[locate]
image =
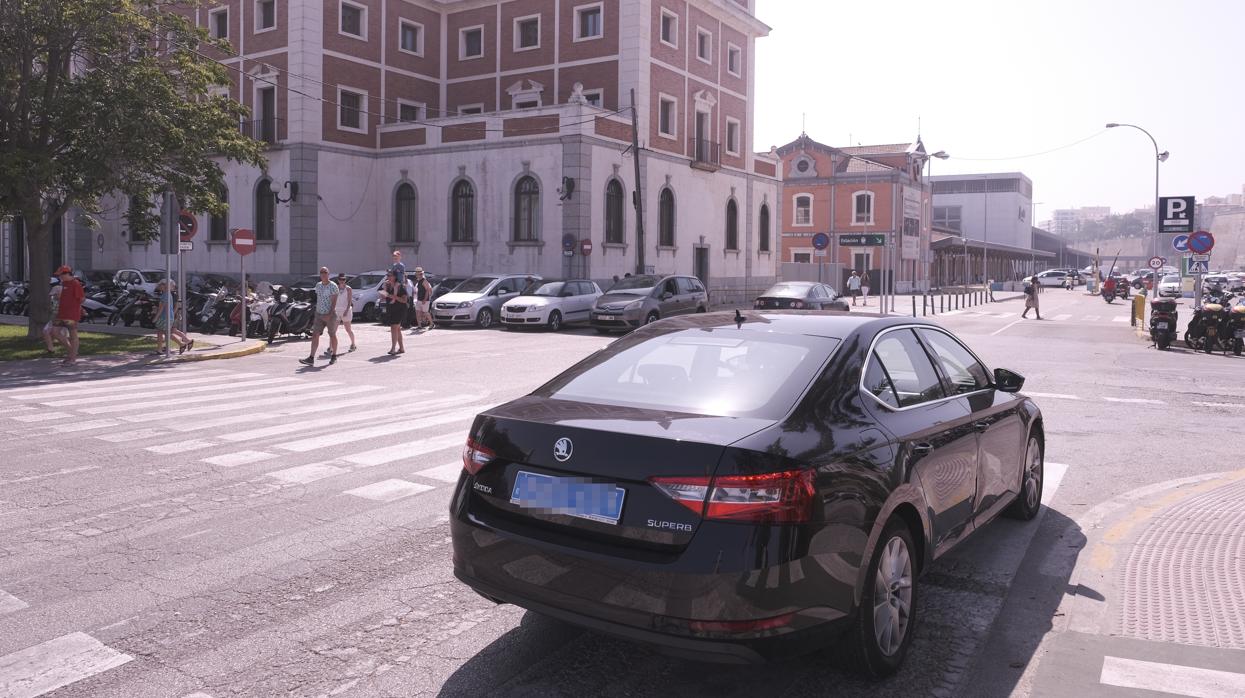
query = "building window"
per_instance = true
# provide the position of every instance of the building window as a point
(218, 23)
(526, 209)
(265, 15)
(948, 217)
(802, 257)
(527, 104)
(667, 118)
(463, 213)
(614, 212)
(470, 43)
(863, 208)
(471, 109)
(594, 97)
(353, 20)
(734, 60)
(704, 45)
(589, 22)
(732, 136)
(265, 211)
(411, 37)
(803, 210)
(405, 214)
(350, 110)
(527, 33)
(669, 28)
(409, 112)
(665, 218)
(763, 229)
(732, 225)
(218, 226)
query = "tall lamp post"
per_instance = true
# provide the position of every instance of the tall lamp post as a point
(929, 175)
(1158, 215)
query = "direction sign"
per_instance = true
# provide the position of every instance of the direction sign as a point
(185, 246)
(1176, 214)
(872, 240)
(1180, 243)
(1201, 242)
(243, 241)
(1197, 267)
(821, 241)
(1157, 262)
(585, 247)
(820, 253)
(187, 224)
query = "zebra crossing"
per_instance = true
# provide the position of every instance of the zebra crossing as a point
(1087, 318)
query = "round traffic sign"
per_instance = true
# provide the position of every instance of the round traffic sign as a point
(243, 241)
(1180, 243)
(568, 242)
(585, 247)
(1157, 262)
(1201, 242)
(821, 241)
(187, 225)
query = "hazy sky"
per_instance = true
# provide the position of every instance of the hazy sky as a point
(1008, 78)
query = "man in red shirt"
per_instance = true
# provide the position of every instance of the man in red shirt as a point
(70, 310)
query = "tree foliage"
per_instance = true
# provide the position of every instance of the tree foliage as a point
(106, 96)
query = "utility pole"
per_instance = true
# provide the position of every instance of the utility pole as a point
(639, 197)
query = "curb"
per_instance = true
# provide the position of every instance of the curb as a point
(253, 348)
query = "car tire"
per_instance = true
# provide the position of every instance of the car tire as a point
(369, 312)
(651, 317)
(701, 309)
(485, 319)
(1032, 478)
(1237, 345)
(1163, 342)
(866, 648)
(555, 321)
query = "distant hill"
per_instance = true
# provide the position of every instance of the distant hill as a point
(1229, 232)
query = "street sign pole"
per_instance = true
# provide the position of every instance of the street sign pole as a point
(168, 234)
(242, 273)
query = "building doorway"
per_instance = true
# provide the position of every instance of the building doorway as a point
(860, 261)
(700, 264)
(267, 115)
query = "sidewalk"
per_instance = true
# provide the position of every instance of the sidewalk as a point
(207, 347)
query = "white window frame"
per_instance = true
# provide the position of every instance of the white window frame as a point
(212, 14)
(807, 251)
(580, 9)
(463, 107)
(363, 110)
(701, 31)
(662, 24)
(738, 135)
(341, 4)
(462, 44)
(674, 115)
(795, 209)
(518, 35)
(600, 95)
(276, 18)
(732, 49)
(872, 206)
(423, 111)
(419, 43)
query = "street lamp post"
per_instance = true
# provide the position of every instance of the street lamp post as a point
(1158, 215)
(929, 175)
(985, 232)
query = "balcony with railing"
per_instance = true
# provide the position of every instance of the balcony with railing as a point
(265, 130)
(706, 155)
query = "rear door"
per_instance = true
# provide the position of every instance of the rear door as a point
(581, 302)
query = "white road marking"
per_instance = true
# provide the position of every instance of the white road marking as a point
(57, 388)
(1171, 678)
(1121, 318)
(389, 490)
(1219, 404)
(198, 412)
(105, 391)
(1004, 328)
(50, 665)
(18, 408)
(952, 312)
(325, 440)
(180, 446)
(321, 404)
(10, 603)
(1092, 318)
(1055, 396)
(41, 417)
(1061, 318)
(234, 398)
(232, 460)
(85, 426)
(444, 473)
(304, 474)
(172, 393)
(118, 437)
(58, 473)
(1004, 315)
(1054, 473)
(296, 426)
(1135, 400)
(410, 449)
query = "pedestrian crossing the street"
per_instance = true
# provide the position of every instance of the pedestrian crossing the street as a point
(1066, 318)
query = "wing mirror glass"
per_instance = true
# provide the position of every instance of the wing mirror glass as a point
(667, 296)
(1008, 381)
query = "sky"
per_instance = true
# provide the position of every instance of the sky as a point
(1002, 79)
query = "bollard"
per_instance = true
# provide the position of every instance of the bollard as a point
(940, 297)
(914, 306)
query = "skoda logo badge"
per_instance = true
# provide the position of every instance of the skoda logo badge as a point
(562, 449)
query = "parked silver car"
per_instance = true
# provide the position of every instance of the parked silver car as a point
(478, 300)
(551, 304)
(639, 300)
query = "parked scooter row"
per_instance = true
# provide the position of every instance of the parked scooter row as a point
(1217, 324)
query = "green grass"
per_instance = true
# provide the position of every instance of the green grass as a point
(15, 346)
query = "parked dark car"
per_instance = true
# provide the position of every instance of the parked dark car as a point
(738, 488)
(639, 300)
(800, 295)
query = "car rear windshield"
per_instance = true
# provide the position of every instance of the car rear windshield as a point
(724, 372)
(787, 290)
(475, 284)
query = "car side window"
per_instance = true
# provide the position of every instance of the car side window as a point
(909, 368)
(964, 372)
(878, 383)
(670, 287)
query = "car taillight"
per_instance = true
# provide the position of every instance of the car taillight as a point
(758, 304)
(476, 456)
(797, 304)
(785, 497)
(740, 626)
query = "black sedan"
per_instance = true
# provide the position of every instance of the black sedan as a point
(800, 295)
(738, 488)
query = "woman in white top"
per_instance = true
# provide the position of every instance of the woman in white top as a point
(345, 308)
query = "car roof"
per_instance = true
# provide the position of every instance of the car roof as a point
(794, 322)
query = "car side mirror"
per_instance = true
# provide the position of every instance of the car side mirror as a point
(667, 296)
(1008, 381)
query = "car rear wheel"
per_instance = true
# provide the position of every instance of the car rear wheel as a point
(485, 319)
(882, 631)
(555, 321)
(369, 312)
(1029, 501)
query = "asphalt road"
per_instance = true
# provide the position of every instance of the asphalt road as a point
(252, 527)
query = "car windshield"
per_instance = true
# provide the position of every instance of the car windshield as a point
(476, 284)
(787, 290)
(546, 289)
(1171, 279)
(637, 285)
(723, 372)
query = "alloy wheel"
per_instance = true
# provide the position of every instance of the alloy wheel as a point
(892, 596)
(1033, 475)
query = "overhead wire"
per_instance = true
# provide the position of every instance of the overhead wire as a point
(1034, 155)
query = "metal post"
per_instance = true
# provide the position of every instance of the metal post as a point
(242, 272)
(639, 197)
(170, 229)
(914, 306)
(985, 233)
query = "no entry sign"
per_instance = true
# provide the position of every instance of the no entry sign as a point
(585, 247)
(244, 241)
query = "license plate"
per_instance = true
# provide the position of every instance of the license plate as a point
(1240, 334)
(607, 318)
(1161, 325)
(571, 496)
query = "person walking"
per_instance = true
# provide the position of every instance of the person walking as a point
(423, 299)
(398, 304)
(326, 316)
(53, 335)
(344, 308)
(164, 301)
(853, 286)
(864, 286)
(70, 311)
(1032, 289)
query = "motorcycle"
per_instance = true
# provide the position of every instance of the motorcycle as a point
(16, 299)
(1163, 322)
(293, 313)
(134, 305)
(1235, 331)
(1114, 289)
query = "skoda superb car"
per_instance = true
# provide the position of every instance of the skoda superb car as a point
(750, 486)
(551, 304)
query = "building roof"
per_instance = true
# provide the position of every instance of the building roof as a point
(952, 242)
(855, 164)
(888, 149)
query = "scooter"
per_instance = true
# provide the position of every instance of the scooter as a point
(1163, 322)
(1235, 332)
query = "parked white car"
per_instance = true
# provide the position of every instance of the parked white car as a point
(478, 300)
(366, 288)
(1050, 277)
(1171, 285)
(141, 279)
(551, 304)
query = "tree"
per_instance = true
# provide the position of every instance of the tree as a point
(106, 96)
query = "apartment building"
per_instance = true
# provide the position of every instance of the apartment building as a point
(483, 136)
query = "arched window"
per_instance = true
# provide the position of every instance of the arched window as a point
(732, 225)
(526, 209)
(463, 213)
(863, 207)
(405, 215)
(803, 210)
(614, 212)
(265, 211)
(665, 218)
(763, 229)
(218, 226)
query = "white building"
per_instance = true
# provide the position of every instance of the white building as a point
(994, 208)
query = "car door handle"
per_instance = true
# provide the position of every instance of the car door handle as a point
(981, 426)
(922, 448)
